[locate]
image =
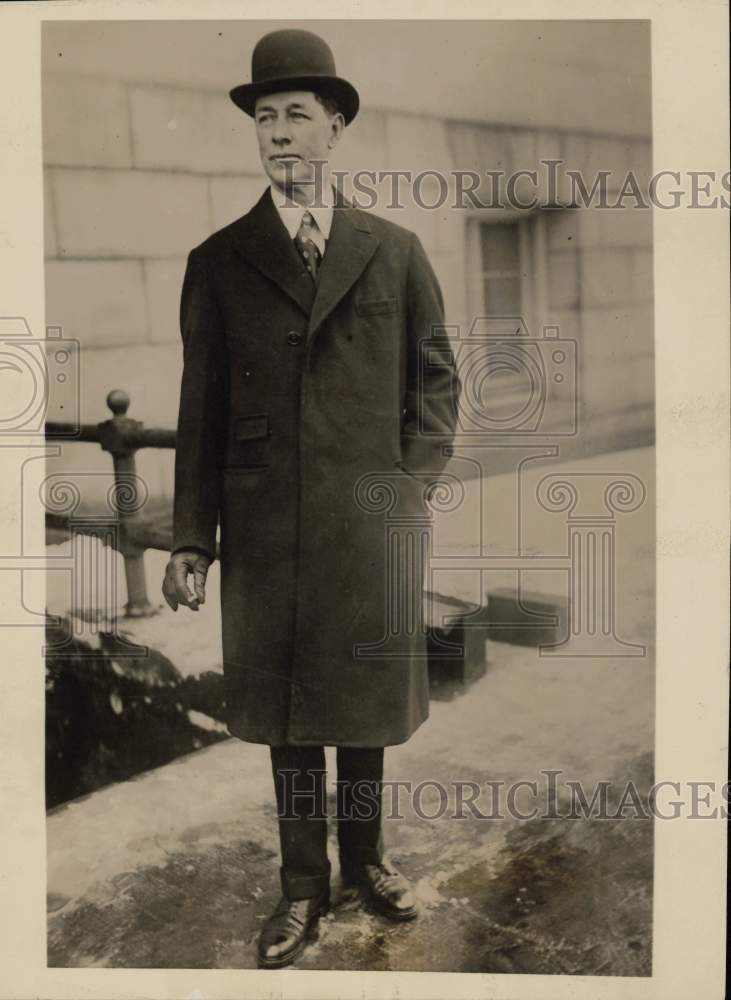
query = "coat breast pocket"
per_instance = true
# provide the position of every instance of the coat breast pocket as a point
(377, 307)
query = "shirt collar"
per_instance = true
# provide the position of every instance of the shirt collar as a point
(291, 214)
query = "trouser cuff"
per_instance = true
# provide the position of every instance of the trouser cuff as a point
(296, 885)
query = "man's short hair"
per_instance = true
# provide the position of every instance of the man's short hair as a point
(329, 104)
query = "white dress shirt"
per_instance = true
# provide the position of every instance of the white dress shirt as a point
(291, 215)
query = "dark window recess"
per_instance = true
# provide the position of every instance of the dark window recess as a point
(501, 279)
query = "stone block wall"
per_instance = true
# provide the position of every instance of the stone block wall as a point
(600, 291)
(136, 175)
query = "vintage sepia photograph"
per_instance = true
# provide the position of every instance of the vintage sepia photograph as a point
(346, 406)
(389, 327)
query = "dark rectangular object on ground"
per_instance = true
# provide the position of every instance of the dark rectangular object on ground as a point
(526, 618)
(457, 653)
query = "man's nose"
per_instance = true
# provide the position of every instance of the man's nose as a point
(280, 133)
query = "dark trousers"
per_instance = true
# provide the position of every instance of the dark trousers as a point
(300, 786)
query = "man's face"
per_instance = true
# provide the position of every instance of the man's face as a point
(294, 129)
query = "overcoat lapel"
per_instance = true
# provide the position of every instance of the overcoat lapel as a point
(263, 239)
(349, 249)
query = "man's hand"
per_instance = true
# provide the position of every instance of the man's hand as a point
(175, 587)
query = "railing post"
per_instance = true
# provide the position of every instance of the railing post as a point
(126, 501)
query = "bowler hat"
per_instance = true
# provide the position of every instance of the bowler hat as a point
(292, 59)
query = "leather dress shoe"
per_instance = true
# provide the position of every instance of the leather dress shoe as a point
(385, 887)
(286, 932)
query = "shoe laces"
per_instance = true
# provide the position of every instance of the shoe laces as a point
(292, 913)
(298, 912)
(386, 877)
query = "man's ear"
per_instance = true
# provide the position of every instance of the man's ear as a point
(336, 129)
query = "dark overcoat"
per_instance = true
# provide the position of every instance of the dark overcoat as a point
(311, 418)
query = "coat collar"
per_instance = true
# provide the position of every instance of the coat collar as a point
(263, 239)
(291, 214)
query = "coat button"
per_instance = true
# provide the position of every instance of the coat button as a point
(294, 338)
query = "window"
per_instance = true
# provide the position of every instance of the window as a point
(501, 275)
(506, 257)
(506, 273)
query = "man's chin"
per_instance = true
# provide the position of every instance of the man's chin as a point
(287, 176)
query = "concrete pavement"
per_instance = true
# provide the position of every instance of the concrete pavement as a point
(178, 867)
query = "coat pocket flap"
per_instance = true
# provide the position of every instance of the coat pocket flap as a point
(251, 428)
(375, 307)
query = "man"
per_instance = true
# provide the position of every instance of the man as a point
(305, 399)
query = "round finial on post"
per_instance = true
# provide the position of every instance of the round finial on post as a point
(118, 402)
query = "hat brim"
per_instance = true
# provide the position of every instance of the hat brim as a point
(246, 95)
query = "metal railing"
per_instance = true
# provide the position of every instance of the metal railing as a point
(122, 437)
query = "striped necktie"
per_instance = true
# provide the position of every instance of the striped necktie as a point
(306, 246)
